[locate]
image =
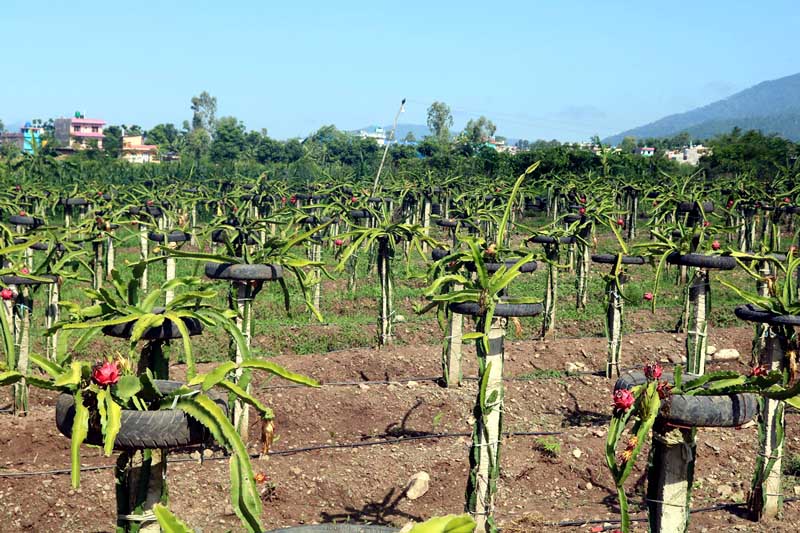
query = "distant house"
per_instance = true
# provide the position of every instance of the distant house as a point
(31, 138)
(12, 138)
(689, 155)
(135, 151)
(376, 133)
(28, 139)
(645, 151)
(78, 132)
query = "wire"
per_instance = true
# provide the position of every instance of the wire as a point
(292, 451)
(468, 378)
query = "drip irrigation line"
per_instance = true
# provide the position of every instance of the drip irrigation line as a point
(350, 383)
(292, 451)
(558, 338)
(599, 373)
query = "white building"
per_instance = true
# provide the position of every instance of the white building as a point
(378, 134)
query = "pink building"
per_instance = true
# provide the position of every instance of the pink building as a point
(78, 133)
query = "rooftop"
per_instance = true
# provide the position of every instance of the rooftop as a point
(92, 134)
(92, 121)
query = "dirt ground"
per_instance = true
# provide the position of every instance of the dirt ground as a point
(400, 409)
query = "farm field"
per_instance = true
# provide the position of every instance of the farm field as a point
(304, 349)
(365, 484)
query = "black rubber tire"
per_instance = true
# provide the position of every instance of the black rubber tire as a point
(336, 528)
(154, 211)
(173, 236)
(547, 239)
(719, 262)
(611, 259)
(144, 429)
(20, 280)
(439, 253)
(74, 201)
(729, 410)
(526, 268)
(24, 220)
(314, 220)
(751, 313)
(689, 207)
(359, 214)
(505, 310)
(218, 236)
(242, 272)
(165, 331)
(39, 246)
(447, 223)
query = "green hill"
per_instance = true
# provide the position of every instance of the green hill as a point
(771, 106)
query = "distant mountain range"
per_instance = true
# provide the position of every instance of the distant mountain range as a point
(771, 106)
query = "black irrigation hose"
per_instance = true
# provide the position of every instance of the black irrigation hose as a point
(600, 373)
(643, 332)
(292, 451)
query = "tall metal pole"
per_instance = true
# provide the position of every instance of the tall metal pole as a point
(386, 146)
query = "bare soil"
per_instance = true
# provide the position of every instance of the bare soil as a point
(366, 483)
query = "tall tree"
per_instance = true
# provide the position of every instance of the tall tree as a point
(197, 143)
(133, 129)
(112, 141)
(2, 126)
(229, 140)
(166, 136)
(628, 144)
(440, 120)
(204, 109)
(480, 130)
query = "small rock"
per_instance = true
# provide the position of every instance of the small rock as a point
(208, 453)
(399, 318)
(724, 491)
(726, 354)
(674, 358)
(575, 367)
(711, 350)
(411, 384)
(363, 386)
(797, 490)
(576, 453)
(418, 485)
(588, 486)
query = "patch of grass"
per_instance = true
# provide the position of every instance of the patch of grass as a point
(542, 374)
(791, 467)
(549, 446)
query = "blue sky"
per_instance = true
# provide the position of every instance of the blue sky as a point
(539, 69)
